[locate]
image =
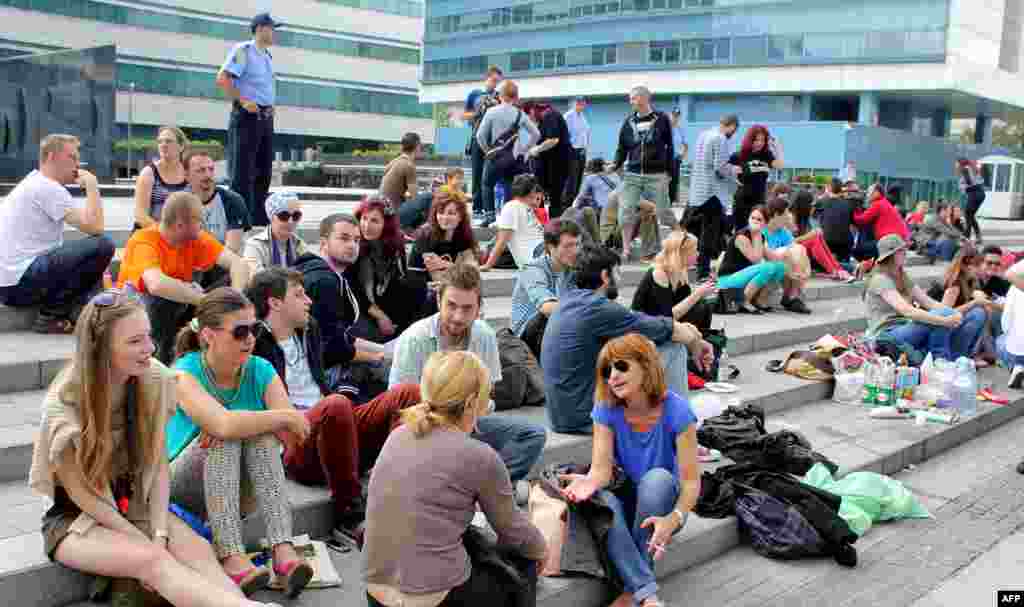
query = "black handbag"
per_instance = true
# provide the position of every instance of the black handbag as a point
(502, 153)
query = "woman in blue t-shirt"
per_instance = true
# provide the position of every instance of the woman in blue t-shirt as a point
(651, 433)
(223, 437)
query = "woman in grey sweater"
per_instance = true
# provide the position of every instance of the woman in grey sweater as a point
(423, 495)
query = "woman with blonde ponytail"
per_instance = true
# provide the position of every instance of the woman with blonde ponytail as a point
(423, 494)
(99, 457)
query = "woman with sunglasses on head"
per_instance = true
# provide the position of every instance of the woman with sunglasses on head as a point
(387, 297)
(665, 288)
(651, 433)
(99, 457)
(279, 244)
(224, 440)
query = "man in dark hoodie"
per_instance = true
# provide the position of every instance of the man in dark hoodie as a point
(646, 151)
(353, 365)
(344, 440)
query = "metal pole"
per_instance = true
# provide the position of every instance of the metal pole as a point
(131, 119)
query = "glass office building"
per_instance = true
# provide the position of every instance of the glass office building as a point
(874, 82)
(346, 69)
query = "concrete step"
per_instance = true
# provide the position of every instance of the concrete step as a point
(844, 433)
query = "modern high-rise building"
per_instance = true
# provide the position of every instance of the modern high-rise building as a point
(875, 82)
(346, 69)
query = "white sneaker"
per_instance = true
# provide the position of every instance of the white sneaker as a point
(1016, 378)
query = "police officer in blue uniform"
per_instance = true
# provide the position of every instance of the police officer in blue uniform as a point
(247, 78)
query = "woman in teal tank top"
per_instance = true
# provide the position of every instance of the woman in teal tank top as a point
(223, 440)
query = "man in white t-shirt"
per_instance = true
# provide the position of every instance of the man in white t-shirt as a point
(344, 439)
(37, 268)
(519, 230)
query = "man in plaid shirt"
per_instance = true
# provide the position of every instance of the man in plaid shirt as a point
(712, 183)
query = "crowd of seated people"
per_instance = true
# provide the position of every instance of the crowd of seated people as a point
(223, 365)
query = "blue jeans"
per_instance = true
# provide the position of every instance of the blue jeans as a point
(673, 358)
(518, 443)
(64, 278)
(943, 248)
(941, 341)
(491, 176)
(656, 495)
(1009, 360)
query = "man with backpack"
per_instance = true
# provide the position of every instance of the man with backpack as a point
(477, 104)
(497, 137)
(646, 151)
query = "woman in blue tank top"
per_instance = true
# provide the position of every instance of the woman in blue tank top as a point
(651, 432)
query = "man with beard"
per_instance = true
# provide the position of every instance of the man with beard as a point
(458, 327)
(225, 215)
(336, 310)
(587, 316)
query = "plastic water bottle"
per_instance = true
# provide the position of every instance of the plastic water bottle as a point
(723, 365)
(870, 384)
(965, 387)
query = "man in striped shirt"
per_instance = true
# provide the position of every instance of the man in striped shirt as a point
(712, 183)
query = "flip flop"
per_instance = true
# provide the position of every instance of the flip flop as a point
(775, 366)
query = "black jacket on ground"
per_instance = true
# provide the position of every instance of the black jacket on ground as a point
(332, 309)
(646, 151)
(268, 348)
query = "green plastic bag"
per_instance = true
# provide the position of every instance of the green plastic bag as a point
(867, 497)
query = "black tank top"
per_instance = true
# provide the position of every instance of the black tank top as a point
(734, 259)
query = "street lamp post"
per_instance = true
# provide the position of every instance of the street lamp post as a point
(131, 119)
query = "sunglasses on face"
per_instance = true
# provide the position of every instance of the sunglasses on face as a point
(242, 332)
(992, 262)
(284, 216)
(622, 366)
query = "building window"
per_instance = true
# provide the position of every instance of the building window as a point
(519, 62)
(603, 55)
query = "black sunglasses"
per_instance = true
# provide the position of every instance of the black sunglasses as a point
(991, 262)
(622, 366)
(241, 332)
(295, 216)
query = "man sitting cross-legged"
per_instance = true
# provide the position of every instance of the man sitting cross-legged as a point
(160, 261)
(458, 327)
(37, 268)
(344, 439)
(587, 316)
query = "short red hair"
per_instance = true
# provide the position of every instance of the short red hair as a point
(635, 348)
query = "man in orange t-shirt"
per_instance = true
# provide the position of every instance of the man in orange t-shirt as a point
(159, 262)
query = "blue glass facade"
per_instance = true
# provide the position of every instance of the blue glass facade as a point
(64, 92)
(566, 36)
(214, 28)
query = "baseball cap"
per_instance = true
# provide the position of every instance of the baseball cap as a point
(676, 110)
(262, 19)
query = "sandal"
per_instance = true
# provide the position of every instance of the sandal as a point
(51, 325)
(295, 576)
(775, 366)
(251, 580)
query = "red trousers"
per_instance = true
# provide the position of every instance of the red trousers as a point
(818, 249)
(344, 441)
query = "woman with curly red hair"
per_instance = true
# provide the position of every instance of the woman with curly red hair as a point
(386, 296)
(759, 154)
